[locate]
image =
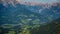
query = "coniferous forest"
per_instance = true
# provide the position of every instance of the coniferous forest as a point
(16, 18)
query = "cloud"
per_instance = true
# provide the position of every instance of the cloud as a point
(20, 1)
(32, 2)
(49, 1)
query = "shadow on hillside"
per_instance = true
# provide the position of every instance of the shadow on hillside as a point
(50, 28)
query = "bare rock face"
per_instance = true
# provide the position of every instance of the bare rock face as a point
(5, 2)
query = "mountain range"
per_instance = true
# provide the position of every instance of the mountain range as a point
(42, 12)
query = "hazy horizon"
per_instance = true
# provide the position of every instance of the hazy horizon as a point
(43, 1)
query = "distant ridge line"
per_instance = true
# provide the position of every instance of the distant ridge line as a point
(14, 2)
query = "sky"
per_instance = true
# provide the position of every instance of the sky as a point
(44, 1)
